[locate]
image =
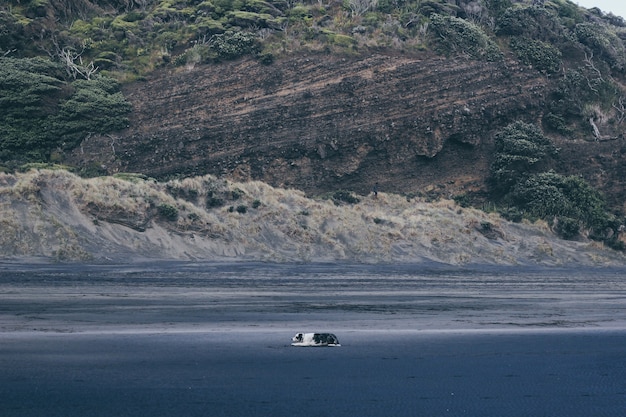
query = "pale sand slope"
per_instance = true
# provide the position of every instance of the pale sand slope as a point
(57, 215)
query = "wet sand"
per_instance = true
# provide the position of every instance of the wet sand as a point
(213, 340)
(549, 373)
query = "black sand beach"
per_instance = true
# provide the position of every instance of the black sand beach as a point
(257, 374)
(213, 340)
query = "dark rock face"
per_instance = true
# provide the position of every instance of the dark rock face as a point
(320, 122)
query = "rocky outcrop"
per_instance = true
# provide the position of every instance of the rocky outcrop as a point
(319, 123)
(324, 122)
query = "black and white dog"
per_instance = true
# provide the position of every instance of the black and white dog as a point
(315, 339)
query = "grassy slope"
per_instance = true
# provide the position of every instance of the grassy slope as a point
(57, 215)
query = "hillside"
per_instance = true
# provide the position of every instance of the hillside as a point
(324, 123)
(321, 123)
(418, 98)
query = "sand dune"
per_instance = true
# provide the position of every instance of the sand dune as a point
(54, 214)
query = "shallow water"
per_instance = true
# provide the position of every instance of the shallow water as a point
(203, 339)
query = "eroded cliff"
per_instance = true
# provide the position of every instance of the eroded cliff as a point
(323, 122)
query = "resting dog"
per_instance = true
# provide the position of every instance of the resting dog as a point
(315, 339)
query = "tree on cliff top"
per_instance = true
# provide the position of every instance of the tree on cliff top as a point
(41, 111)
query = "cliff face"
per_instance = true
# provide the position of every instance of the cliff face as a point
(321, 123)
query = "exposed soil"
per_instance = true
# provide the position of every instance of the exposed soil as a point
(319, 123)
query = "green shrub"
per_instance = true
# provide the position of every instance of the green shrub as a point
(463, 200)
(455, 35)
(534, 22)
(567, 10)
(236, 194)
(208, 26)
(575, 92)
(96, 106)
(168, 212)
(246, 19)
(520, 151)
(541, 197)
(266, 58)
(299, 13)
(194, 55)
(548, 195)
(338, 39)
(571, 94)
(233, 44)
(540, 55)
(557, 123)
(615, 243)
(124, 24)
(40, 110)
(567, 228)
(30, 90)
(589, 203)
(512, 214)
(213, 201)
(429, 8)
(188, 194)
(497, 7)
(520, 147)
(603, 42)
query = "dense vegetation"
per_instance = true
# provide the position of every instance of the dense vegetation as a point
(41, 111)
(61, 62)
(132, 37)
(125, 39)
(522, 180)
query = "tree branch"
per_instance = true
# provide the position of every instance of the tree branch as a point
(73, 61)
(589, 63)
